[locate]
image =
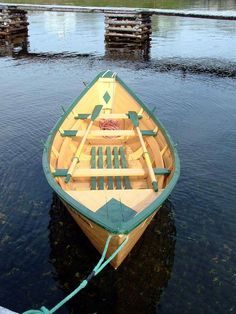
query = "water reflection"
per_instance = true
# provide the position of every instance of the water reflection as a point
(13, 45)
(128, 52)
(135, 287)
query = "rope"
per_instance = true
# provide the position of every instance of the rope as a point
(96, 270)
(109, 124)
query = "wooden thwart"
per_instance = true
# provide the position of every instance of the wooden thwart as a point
(97, 133)
(117, 172)
(84, 116)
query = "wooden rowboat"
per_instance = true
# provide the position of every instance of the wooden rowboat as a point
(112, 180)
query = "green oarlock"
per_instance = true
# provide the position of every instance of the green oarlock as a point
(148, 133)
(67, 179)
(155, 186)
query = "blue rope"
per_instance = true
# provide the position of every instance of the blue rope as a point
(96, 270)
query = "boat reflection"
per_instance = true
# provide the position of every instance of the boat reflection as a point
(138, 283)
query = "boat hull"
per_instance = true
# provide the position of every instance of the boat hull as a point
(112, 163)
(98, 235)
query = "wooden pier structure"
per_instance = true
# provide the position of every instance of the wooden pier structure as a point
(13, 21)
(127, 33)
(222, 15)
(126, 29)
(13, 31)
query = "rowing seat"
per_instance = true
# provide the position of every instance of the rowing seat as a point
(100, 133)
(87, 116)
(115, 158)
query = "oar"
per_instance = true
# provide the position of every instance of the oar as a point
(96, 111)
(134, 118)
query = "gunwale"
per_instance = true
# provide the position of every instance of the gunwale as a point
(125, 227)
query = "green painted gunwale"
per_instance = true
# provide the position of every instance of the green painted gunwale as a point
(128, 226)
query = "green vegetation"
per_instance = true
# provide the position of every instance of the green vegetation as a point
(165, 4)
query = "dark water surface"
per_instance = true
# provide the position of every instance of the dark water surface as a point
(186, 261)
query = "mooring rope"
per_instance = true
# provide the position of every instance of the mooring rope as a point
(96, 270)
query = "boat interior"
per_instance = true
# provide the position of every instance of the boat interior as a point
(109, 148)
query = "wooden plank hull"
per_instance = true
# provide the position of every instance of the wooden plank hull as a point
(112, 163)
(98, 235)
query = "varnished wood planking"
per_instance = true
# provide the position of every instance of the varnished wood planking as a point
(142, 195)
(98, 236)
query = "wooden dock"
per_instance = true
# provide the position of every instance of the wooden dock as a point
(223, 15)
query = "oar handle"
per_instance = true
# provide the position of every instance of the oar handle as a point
(148, 161)
(71, 169)
(96, 111)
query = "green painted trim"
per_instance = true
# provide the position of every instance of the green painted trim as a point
(106, 97)
(72, 133)
(69, 133)
(108, 74)
(161, 171)
(117, 166)
(124, 165)
(63, 172)
(148, 133)
(109, 166)
(60, 173)
(116, 212)
(100, 166)
(126, 227)
(82, 116)
(93, 166)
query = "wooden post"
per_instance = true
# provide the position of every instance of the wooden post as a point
(15, 44)
(12, 21)
(128, 33)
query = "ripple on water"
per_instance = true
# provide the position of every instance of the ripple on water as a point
(192, 259)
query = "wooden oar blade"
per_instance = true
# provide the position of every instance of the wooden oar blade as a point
(134, 118)
(96, 111)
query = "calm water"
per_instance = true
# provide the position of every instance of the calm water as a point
(185, 262)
